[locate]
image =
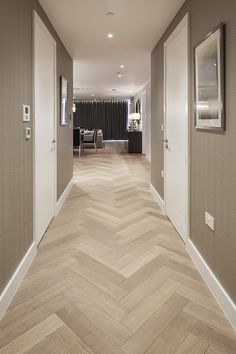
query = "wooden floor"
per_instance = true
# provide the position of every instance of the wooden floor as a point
(112, 275)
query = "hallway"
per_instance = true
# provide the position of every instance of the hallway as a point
(111, 274)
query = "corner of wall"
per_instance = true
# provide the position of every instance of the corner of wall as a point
(16, 280)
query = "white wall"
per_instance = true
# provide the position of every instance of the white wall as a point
(145, 98)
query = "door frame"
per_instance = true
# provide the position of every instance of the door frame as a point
(143, 98)
(38, 21)
(185, 22)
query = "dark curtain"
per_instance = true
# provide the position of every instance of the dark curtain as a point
(110, 116)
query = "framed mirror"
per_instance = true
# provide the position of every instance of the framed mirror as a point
(209, 81)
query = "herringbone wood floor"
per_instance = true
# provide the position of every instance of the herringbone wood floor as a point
(112, 275)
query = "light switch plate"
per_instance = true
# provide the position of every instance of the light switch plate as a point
(209, 221)
(27, 133)
(26, 113)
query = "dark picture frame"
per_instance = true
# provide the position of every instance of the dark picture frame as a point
(63, 100)
(209, 84)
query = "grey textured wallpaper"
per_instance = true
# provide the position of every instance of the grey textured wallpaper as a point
(16, 154)
(213, 167)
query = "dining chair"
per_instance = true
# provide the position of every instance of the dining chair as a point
(89, 140)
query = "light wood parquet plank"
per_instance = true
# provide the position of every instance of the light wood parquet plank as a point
(40, 300)
(99, 281)
(141, 275)
(76, 320)
(100, 342)
(133, 298)
(192, 345)
(105, 301)
(145, 335)
(210, 316)
(112, 275)
(24, 322)
(103, 270)
(150, 304)
(68, 342)
(116, 330)
(33, 336)
(174, 335)
(218, 340)
(139, 262)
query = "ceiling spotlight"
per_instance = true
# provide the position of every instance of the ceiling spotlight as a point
(110, 35)
(92, 95)
(110, 13)
(122, 66)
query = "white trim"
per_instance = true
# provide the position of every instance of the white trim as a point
(148, 157)
(64, 196)
(114, 141)
(185, 22)
(15, 281)
(157, 198)
(38, 21)
(217, 290)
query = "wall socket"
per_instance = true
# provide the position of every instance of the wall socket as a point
(27, 133)
(162, 174)
(209, 221)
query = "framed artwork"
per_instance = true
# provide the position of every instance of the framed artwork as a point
(64, 100)
(209, 81)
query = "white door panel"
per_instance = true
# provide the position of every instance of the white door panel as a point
(44, 90)
(176, 129)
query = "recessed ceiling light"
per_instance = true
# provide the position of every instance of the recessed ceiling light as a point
(110, 35)
(110, 13)
(92, 95)
(122, 66)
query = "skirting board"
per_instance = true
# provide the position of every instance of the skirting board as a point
(148, 157)
(15, 281)
(158, 198)
(217, 290)
(64, 196)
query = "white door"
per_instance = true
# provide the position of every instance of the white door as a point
(144, 123)
(176, 129)
(44, 129)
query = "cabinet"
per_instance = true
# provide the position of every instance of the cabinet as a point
(135, 142)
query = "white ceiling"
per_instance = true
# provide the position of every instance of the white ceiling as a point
(83, 27)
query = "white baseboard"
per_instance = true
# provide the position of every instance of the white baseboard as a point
(158, 198)
(64, 196)
(217, 290)
(15, 281)
(148, 157)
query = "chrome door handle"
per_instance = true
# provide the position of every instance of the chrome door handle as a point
(53, 145)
